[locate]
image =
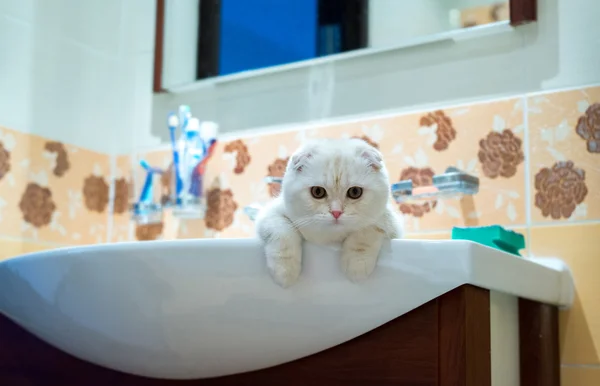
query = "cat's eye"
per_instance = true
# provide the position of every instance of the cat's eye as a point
(318, 192)
(354, 192)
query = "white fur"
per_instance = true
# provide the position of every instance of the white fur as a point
(336, 165)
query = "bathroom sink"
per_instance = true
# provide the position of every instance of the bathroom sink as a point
(206, 308)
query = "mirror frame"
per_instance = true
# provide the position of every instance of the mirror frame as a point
(521, 12)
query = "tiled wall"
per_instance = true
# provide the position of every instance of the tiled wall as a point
(51, 194)
(538, 158)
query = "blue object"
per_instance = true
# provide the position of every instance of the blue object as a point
(172, 122)
(193, 146)
(184, 119)
(493, 236)
(146, 194)
(184, 116)
(263, 33)
(330, 39)
(196, 186)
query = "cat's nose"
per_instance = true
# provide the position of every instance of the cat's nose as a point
(336, 214)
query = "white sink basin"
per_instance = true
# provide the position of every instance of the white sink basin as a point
(205, 308)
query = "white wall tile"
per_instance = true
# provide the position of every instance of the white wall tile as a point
(73, 72)
(94, 23)
(142, 103)
(76, 96)
(16, 65)
(139, 18)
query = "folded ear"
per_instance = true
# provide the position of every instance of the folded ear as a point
(373, 158)
(299, 160)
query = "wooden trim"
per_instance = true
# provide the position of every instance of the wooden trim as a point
(464, 337)
(538, 344)
(522, 11)
(159, 46)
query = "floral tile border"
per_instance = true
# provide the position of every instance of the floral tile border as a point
(122, 197)
(564, 132)
(51, 191)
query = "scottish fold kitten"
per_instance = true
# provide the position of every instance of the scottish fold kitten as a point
(333, 191)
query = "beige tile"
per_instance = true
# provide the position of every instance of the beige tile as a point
(580, 376)
(45, 193)
(424, 141)
(12, 248)
(125, 195)
(578, 246)
(565, 167)
(470, 138)
(416, 146)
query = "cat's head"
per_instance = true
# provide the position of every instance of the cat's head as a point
(336, 184)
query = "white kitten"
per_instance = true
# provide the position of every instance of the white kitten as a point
(334, 190)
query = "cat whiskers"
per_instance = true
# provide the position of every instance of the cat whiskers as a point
(303, 222)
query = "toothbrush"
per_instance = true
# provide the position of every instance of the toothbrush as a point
(201, 167)
(185, 116)
(191, 157)
(208, 131)
(195, 179)
(173, 122)
(149, 168)
(146, 194)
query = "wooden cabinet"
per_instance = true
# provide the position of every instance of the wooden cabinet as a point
(445, 342)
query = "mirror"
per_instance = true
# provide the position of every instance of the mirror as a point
(201, 39)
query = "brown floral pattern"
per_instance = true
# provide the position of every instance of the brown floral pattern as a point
(37, 205)
(445, 132)
(4, 161)
(95, 193)
(62, 157)
(368, 140)
(148, 232)
(242, 158)
(500, 154)
(121, 200)
(276, 169)
(588, 128)
(419, 177)
(220, 209)
(166, 183)
(560, 189)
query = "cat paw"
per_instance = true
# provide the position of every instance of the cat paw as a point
(358, 266)
(284, 264)
(360, 252)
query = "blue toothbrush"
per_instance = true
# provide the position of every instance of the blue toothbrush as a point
(146, 194)
(173, 123)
